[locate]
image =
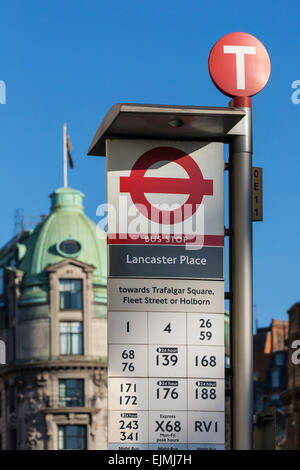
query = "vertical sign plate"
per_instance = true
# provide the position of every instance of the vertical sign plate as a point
(257, 195)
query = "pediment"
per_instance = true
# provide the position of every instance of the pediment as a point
(70, 262)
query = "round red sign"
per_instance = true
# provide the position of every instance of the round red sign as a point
(138, 184)
(239, 65)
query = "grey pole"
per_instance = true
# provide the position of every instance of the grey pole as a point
(241, 285)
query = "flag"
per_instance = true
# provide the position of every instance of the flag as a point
(69, 149)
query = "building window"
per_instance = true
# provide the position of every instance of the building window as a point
(71, 338)
(275, 378)
(12, 399)
(71, 392)
(279, 359)
(12, 261)
(72, 437)
(275, 397)
(69, 247)
(1, 281)
(13, 344)
(13, 439)
(227, 361)
(70, 292)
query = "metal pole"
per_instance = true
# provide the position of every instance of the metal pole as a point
(65, 155)
(241, 284)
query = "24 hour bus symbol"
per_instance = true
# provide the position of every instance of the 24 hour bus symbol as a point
(138, 184)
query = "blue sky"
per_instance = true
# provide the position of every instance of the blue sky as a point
(71, 60)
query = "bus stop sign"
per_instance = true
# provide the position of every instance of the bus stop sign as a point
(239, 65)
(137, 184)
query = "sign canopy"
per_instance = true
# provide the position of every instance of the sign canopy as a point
(147, 121)
(239, 65)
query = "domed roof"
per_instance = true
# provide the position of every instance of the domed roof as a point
(66, 233)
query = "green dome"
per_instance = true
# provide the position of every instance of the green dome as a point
(66, 222)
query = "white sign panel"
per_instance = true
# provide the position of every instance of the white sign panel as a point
(127, 360)
(163, 295)
(127, 393)
(165, 394)
(144, 175)
(167, 361)
(166, 375)
(206, 361)
(128, 427)
(167, 328)
(205, 329)
(206, 394)
(168, 428)
(127, 328)
(206, 427)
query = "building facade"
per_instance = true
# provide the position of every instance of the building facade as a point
(271, 374)
(53, 389)
(291, 397)
(270, 364)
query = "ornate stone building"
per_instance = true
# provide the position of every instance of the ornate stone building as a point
(53, 320)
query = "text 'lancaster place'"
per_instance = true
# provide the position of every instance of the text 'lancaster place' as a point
(183, 259)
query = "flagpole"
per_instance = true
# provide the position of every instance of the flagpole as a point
(65, 155)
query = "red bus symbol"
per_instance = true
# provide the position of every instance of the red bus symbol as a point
(137, 184)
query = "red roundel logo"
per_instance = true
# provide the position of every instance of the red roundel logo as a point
(239, 65)
(138, 184)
